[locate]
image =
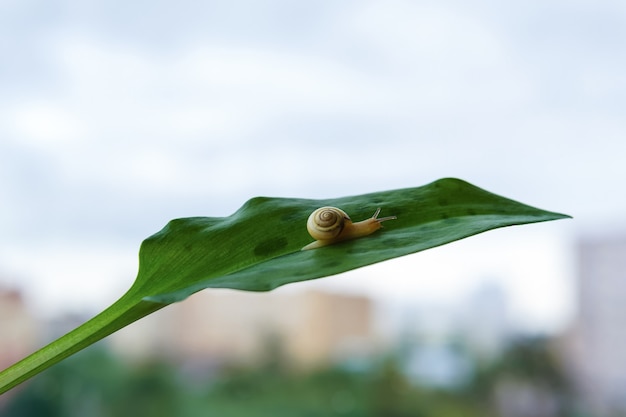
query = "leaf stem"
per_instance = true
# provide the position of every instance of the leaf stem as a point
(120, 314)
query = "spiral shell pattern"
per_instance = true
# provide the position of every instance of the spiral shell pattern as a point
(326, 223)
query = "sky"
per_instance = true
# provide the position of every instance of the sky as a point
(116, 117)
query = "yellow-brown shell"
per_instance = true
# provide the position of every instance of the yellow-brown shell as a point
(326, 223)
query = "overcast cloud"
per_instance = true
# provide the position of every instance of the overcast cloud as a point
(118, 116)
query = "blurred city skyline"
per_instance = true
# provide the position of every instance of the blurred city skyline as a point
(117, 117)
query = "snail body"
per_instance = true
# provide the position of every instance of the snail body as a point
(329, 225)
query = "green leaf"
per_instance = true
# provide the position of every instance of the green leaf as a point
(258, 248)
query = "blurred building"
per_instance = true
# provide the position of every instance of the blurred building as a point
(597, 352)
(18, 330)
(485, 323)
(442, 344)
(308, 329)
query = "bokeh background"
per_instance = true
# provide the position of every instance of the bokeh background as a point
(116, 117)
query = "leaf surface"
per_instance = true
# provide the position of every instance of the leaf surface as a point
(258, 248)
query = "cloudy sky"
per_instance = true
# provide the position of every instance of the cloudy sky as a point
(118, 116)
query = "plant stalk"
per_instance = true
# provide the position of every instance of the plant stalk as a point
(120, 314)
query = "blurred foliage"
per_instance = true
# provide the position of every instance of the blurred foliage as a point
(529, 365)
(94, 383)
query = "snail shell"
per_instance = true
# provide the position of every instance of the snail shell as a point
(328, 225)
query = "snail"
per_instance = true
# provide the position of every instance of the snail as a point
(330, 225)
